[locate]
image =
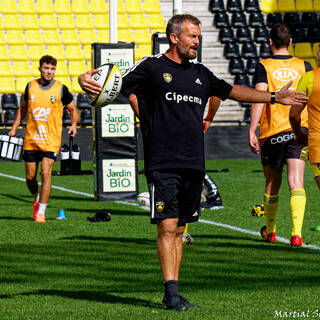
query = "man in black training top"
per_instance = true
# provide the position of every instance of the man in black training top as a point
(172, 93)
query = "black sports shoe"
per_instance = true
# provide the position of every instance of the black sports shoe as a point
(187, 303)
(212, 203)
(177, 303)
(101, 216)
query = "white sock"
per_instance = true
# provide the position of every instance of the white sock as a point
(36, 197)
(42, 208)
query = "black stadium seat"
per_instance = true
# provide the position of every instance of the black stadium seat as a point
(66, 118)
(249, 50)
(221, 20)
(256, 20)
(242, 79)
(9, 117)
(9, 101)
(260, 35)
(291, 19)
(231, 50)
(265, 50)
(251, 6)
(236, 66)
(251, 65)
(216, 6)
(226, 35)
(82, 101)
(86, 117)
(309, 19)
(314, 34)
(238, 20)
(273, 18)
(298, 34)
(234, 6)
(243, 35)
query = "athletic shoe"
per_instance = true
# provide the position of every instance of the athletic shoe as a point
(257, 210)
(187, 239)
(101, 216)
(40, 218)
(270, 237)
(212, 203)
(296, 241)
(177, 303)
(35, 209)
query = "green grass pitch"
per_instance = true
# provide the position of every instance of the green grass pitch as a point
(75, 269)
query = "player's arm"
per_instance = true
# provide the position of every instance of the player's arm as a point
(134, 104)
(74, 117)
(20, 115)
(256, 111)
(214, 103)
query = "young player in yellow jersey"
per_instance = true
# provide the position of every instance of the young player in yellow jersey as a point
(43, 100)
(310, 84)
(276, 139)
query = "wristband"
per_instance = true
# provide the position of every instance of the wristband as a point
(273, 98)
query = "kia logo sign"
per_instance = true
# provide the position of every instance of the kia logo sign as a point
(285, 74)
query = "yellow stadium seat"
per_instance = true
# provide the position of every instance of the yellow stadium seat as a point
(21, 69)
(122, 21)
(75, 87)
(76, 68)
(313, 62)
(156, 22)
(74, 52)
(151, 6)
(303, 50)
(87, 52)
(44, 6)
(30, 21)
(315, 49)
(103, 36)
(4, 52)
(286, 6)
(1, 23)
(137, 21)
(87, 36)
(64, 80)
(7, 85)
(291, 50)
(26, 7)
(142, 50)
(56, 51)
(66, 21)
(80, 6)
(21, 83)
(5, 69)
(2, 37)
(69, 37)
(35, 69)
(62, 6)
(98, 7)
(133, 6)
(269, 6)
(15, 37)
(124, 35)
(120, 6)
(48, 21)
(84, 21)
(51, 37)
(304, 5)
(141, 36)
(62, 69)
(33, 37)
(35, 52)
(12, 21)
(101, 21)
(8, 7)
(18, 52)
(316, 5)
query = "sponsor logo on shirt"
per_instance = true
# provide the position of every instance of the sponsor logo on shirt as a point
(173, 96)
(285, 74)
(195, 214)
(167, 77)
(159, 206)
(40, 114)
(198, 81)
(53, 99)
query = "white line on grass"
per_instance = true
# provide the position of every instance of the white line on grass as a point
(217, 224)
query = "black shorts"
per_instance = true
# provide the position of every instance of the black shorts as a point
(37, 155)
(280, 147)
(175, 193)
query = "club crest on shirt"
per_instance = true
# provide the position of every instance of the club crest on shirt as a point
(159, 206)
(53, 99)
(167, 77)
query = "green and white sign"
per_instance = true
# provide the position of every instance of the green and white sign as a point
(122, 57)
(117, 120)
(119, 175)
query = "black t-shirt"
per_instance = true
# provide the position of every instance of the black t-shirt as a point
(172, 98)
(261, 74)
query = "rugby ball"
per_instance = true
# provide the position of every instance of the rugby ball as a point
(110, 78)
(144, 199)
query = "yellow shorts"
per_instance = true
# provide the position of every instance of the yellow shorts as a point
(315, 168)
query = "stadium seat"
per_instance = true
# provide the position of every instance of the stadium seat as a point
(21, 83)
(141, 36)
(101, 21)
(221, 20)
(2, 37)
(142, 50)
(73, 52)
(44, 7)
(315, 48)
(9, 116)
(75, 87)
(273, 18)
(312, 61)
(62, 6)
(242, 79)
(4, 52)
(133, 6)
(291, 50)
(48, 21)
(137, 21)
(8, 7)
(304, 5)
(62, 69)
(156, 22)
(260, 35)
(35, 52)
(256, 20)
(33, 37)
(238, 20)
(12, 21)
(251, 65)
(216, 6)
(84, 21)
(76, 68)
(98, 7)
(66, 21)
(291, 19)
(286, 6)
(269, 6)
(303, 50)
(243, 35)
(56, 50)
(9, 101)
(120, 6)
(82, 101)
(316, 5)
(298, 34)
(87, 52)
(26, 7)
(234, 6)
(21, 69)
(15, 37)
(51, 37)
(236, 66)
(313, 34)
(86, 117)
(35, 69)
(65, 80)
(18, 52)
(122, 21)
(309, 19)
(226, 35)
(103, 35)
(69, 36)
(1, 23)
(151, 6)
(7, 84)
(66, 120)
(249, 50)
(30, 21)
(231, 50)
(265, 50)
(80, 6)
(87, 36)
(125, 35)
(251, 6)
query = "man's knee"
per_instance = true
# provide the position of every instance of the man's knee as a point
(167, 228)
